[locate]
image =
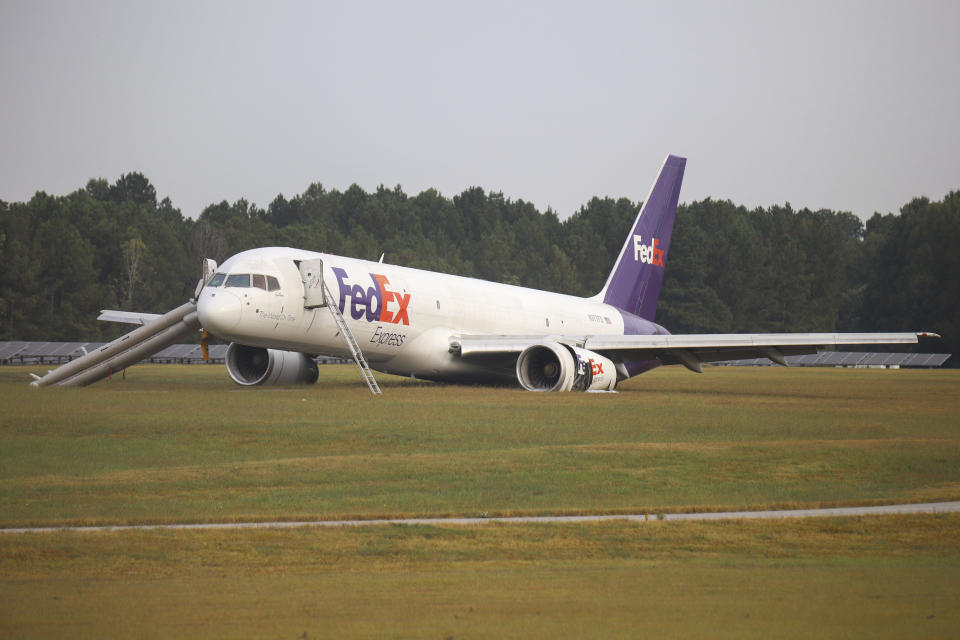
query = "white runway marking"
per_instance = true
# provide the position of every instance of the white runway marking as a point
(928, 507)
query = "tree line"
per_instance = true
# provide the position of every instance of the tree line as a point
(729, 269)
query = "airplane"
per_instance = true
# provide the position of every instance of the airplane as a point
(280, 307)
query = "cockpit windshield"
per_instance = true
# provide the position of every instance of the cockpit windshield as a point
(238, 280)
(260, 281)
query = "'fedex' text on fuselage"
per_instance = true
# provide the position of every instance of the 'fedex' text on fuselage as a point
(375, 303)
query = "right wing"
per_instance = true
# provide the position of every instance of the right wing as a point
(690, 350)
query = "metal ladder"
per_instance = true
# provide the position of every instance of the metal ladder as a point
(351, 342)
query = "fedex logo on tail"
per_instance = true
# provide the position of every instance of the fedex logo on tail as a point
(647, 253)
(375, 303)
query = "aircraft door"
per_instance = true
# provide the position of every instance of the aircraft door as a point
(311, 273)
(209, 267)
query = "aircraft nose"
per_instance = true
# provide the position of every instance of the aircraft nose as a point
(219, 311)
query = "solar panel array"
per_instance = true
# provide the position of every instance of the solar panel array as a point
(9, 350)
(62, 352)
(44, 352)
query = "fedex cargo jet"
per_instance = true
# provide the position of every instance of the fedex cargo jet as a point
(280, 307)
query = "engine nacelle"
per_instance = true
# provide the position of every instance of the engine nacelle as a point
(255, 365)
(552, 366)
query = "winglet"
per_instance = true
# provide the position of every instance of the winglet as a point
(634, 283)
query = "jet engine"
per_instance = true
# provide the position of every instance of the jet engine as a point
(552, 366)
(255, 365)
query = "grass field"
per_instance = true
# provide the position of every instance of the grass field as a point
(183, 444)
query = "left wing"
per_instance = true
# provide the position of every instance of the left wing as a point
(130, 317)
(690, 350)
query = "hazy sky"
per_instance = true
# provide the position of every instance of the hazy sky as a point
(844, 105)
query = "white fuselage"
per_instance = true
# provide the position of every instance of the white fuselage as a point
(403, 319)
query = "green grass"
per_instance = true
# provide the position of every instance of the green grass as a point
(876, 577)
(173, 444)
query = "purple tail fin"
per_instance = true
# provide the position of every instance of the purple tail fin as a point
(634, 283)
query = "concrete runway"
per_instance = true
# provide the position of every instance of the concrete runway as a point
(929, 507)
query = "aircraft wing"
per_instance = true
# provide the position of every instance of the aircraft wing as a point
(688, 349)
(130, 317)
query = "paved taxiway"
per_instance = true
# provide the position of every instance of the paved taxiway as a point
(928, 507)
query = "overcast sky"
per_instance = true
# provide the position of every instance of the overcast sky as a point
(842, 105)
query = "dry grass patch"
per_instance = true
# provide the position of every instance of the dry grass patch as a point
(881, 576)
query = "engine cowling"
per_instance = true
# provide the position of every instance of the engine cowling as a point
(552, 366)
(250, 366)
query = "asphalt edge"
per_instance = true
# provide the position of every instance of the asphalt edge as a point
(916, 508)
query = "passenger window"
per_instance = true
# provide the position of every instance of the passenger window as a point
(272, 284)
(238, 280)
(216, 280)
(259, 281)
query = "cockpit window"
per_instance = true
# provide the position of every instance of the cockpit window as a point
(258, 280)
(238, 280)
